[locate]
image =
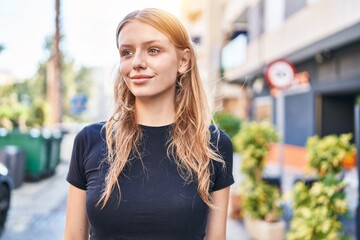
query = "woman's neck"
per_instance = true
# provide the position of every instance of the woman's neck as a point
(153, 113)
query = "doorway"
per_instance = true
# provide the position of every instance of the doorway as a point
(337, 114)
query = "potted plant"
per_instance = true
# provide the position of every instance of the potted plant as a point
(317, 208)
(262, 210)
(261, 202)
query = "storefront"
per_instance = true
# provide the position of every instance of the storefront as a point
(326, 105)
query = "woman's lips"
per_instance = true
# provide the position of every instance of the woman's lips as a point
(139, 79)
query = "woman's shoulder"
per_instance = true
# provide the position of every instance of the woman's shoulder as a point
(94, 127)
(220, 139)
(92, 131)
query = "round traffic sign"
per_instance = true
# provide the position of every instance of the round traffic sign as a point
(280, 74)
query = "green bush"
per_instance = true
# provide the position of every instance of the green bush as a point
(228, 123)
(20, 115)
(13, 114)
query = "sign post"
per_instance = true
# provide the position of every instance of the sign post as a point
(280, 75)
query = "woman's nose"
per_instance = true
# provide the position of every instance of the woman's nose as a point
(139, 61)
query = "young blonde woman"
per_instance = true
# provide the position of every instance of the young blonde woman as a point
(156, 169)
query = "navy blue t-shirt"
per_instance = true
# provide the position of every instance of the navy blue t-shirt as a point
(156, 203)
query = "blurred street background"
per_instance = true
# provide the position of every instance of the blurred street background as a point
(291, 63)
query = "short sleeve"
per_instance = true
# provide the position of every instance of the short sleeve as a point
(76, 174)
(222, 176)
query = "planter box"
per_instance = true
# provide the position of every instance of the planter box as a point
(251, 226)
(261, 230)
(271, 231)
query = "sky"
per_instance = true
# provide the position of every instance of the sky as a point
(88, 27)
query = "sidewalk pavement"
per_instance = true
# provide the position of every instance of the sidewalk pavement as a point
(37, 210)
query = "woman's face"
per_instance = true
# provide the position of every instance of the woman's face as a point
(148, 61)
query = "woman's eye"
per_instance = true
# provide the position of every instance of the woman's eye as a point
(153, 51)
(125, 53)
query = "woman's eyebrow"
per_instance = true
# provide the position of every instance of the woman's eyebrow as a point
(144, 43)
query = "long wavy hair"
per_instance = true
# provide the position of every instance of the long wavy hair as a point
(190, 139)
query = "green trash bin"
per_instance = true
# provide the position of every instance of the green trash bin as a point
(35, 146)
(54, 146)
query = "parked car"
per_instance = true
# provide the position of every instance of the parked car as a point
(6, 186)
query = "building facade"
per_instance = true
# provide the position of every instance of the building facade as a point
(203, 19)
(321, 38)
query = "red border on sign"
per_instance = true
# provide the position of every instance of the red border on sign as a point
(268, 79)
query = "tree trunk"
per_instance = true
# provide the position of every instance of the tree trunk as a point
(54, 74)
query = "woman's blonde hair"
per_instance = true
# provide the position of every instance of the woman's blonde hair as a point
(190, 139)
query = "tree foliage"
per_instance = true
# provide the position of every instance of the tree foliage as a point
(30, 94)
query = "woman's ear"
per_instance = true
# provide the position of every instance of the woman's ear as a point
(184, 61)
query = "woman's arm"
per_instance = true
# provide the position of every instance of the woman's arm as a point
(216, 225)
(76, 226)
